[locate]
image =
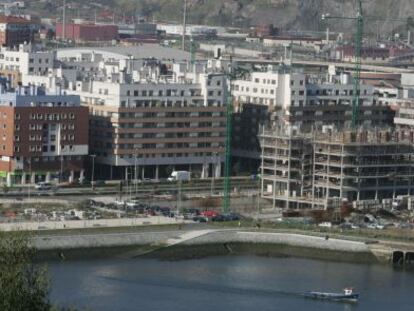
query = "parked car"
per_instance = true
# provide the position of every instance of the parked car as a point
(200, 219)
(43, 186)
(209, 213)
(219, 218)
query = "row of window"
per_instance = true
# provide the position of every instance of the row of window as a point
(52, 127)
(52, 137)
(49, 148)
(51, 116)
(150, 93)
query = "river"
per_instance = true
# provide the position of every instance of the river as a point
(225, 283)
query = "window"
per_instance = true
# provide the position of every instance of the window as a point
(72, 116)
(16, 149)
(16, 138)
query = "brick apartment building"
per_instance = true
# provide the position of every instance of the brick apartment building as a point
(17, 30)
(42, 136)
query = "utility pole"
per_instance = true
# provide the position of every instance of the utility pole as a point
(64, 21)
(184, 25)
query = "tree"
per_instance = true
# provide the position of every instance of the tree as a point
(23, 285)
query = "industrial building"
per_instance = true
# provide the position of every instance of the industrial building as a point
(311, 170)
(86, 32)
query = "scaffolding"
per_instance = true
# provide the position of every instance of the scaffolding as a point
(310, 170)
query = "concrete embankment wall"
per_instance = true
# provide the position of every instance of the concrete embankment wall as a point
(151, 244)
(269, 244)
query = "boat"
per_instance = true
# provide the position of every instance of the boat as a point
(348, 295)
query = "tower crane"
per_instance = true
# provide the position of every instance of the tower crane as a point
(359, 19)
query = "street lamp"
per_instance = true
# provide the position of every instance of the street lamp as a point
(93, 170)
(30, 178)
(213, 173)
(136, 172)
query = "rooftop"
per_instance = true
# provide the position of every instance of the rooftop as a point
(143, 51)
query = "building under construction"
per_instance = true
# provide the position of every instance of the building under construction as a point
(313, 170)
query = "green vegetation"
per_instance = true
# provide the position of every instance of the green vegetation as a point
(23, 285)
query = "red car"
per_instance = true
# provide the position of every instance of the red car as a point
(209, 214)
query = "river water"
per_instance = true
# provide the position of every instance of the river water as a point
(225, 283)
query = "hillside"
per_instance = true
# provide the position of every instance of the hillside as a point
(291, 14)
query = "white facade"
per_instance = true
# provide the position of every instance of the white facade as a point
(26, 60)
(285, 89)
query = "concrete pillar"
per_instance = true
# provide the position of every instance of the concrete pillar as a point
(47, 177)
(157, 172)
(82, 175)
(217, 170)
(9, 180)
(204, 171)
(126, 172)
(23, 178)
(71, 176)
(143, 172)
(111, 173)
(33, 178)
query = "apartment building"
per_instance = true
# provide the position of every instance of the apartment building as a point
(43, 136)
(154, 120)
(310, 101)
(310, 170)
(24, 59)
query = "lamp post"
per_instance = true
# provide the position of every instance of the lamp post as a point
(213, 173)
(93, 171)
(136, 172)
(61, 170)
(30, 177)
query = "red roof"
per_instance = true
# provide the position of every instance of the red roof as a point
(14, 20)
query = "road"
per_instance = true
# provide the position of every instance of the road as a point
(199, 187)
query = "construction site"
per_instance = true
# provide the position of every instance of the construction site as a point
(323, 168)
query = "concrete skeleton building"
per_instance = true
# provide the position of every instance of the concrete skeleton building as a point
(312, 170)
(43, 136)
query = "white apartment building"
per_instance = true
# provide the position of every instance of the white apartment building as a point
(26, 60)
(305, 100)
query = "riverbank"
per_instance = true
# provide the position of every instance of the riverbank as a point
(178, 244)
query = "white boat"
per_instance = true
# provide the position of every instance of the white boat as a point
(347, 296)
